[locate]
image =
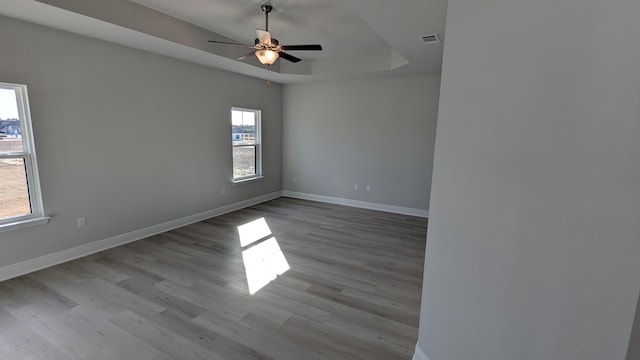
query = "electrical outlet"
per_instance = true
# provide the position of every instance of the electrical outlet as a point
(82, 222)
(368, 187)
(355, 187)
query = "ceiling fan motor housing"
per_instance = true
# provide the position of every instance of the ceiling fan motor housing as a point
(274, 42)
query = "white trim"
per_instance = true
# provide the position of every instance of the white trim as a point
(358, 203)
(24, 222)
(31, 265)
(246, 179)
(419, 354)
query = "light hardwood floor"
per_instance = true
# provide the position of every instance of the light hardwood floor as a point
(352, 291)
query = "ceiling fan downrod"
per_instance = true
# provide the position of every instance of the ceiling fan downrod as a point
(266, 9)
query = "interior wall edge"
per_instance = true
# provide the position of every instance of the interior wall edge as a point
(419, 354)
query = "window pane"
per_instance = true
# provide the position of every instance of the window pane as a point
(10, 145)
(14, 195)
(243, 127)
(244, 161)
(10, 129)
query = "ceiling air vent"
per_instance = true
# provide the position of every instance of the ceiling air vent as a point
(431, 39)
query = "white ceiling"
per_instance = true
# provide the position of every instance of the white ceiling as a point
(359, 37)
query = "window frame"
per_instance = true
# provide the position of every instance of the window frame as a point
(258, 147)
(28, 154)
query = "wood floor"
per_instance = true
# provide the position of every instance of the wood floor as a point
(352, 291)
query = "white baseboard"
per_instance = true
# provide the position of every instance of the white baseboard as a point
(358, 203)
(31, 265)
(419, 354)
(35, 264)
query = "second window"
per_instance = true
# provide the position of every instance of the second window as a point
(245, 139)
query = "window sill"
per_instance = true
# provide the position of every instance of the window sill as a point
(21, 224)
(246, 180)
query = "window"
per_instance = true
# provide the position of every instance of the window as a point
(245, 140)
(20, 200)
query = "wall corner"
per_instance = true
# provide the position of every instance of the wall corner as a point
(419, 354)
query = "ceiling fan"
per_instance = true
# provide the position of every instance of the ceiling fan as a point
(267, 48)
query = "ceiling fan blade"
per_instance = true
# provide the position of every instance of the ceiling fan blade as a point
(229, 43)
(246, 55)
(286, 56)
(264, 36)
(301, 47)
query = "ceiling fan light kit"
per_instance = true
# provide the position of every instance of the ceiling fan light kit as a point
(267, 49)
(267, 57)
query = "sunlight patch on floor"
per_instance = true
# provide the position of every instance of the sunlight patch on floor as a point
(262, 256)
(253, 231)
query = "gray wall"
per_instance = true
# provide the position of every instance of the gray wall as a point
(126, 138)
(377, 132)
(533, 247)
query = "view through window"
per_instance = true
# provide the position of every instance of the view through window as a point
(245, 139)
(19, 190)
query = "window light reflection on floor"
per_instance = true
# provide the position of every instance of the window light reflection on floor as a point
(262, 256)
(253, 231)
